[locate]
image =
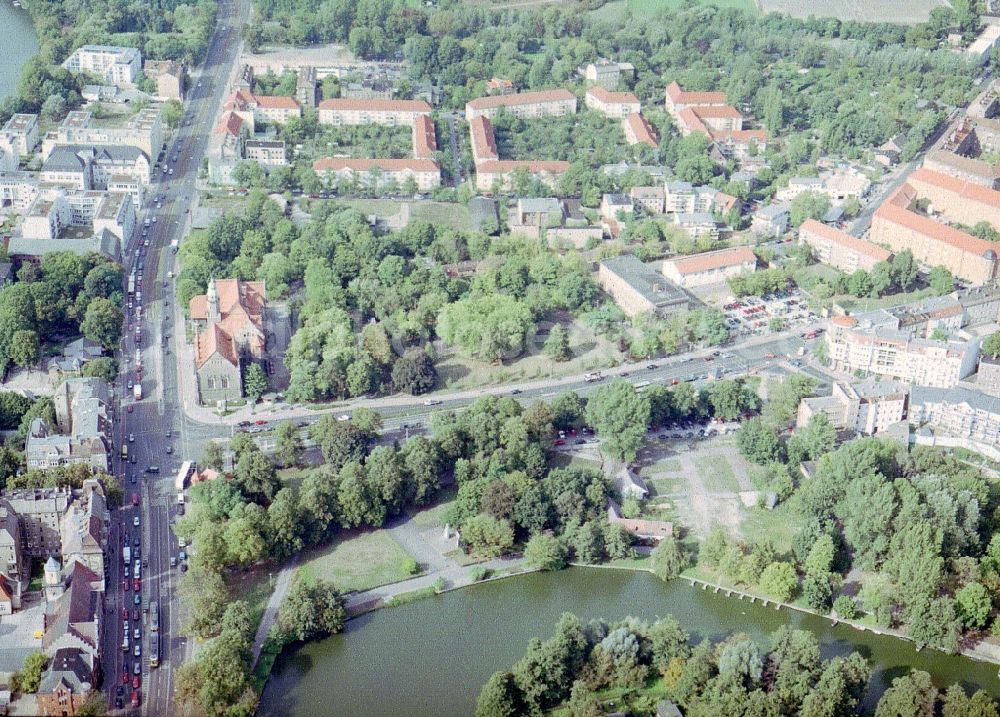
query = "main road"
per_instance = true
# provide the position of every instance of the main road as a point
(149, 426)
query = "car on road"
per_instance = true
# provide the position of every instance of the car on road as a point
(135, 614)
(173, 561)
(651, 366)
(560, 442)
(124, 613)
(135, 698)
(515, 392)
(136, 600)
(136, 584)
(126, 585)
(135, 522)
(119, 703)
(182, 556)
(244, 424)
(131, 436)
(137, 668)
(184, 567)
(135, 682)
(170, 449)
(153, 469)
(580, 441)
(432, 402)
(260, 422)
(137, 633)
(125, 572)
(343, 417)
(125, 676)
(135, 543)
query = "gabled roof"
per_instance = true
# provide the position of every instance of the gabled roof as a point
(214, 340)
(642, 131)
(376, 105)
(714, 260)
(484, 146)
(520, 98)
(277, 102)
(844, 239)
(424, 137)
(678, 95)
(231, 123)
(896, 209)
(606, 96)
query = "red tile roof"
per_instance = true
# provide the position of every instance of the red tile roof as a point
(811, 226)
(965, 190)
(214, 340)
(741, 136)
(336, 164)
(717, 112)
(845, 321)
(714, 260)
(724, 202)
(521, 98)
(277, 102)
(424, 138)
(602, 95)
(509, 165)
(231, 123)
(692, 122)
(677, 95)
(374, 105)
(642, 132)
(895, 210)
(484, 146)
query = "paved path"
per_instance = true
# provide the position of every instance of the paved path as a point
(271, 611)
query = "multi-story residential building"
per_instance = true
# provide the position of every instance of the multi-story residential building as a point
(650, 199)
(370, 88)
(85, 528)
(144, 131)
(770, 221)
(960, 412)
(19, 135)
(12, 562)
(607, 73)
(268, 152)
(93, 167)
(360, 112)
(710, 267)
(839, 249)
(484, 146)
(968, 169)
(525, 105)
(988, 375)
(866, 407)
(678, 100)
(305, 86)
(118, 66)
(956, 200)
(54, 211)
(697, 224)
(84, 428)
(616, 105)
(638, 130)
(616, 206)
(228, 322)
(74, 612)
(879, 343)
(500, 173)
(683, 197)
(169, 76)
(838, 186)
(40, 513)
(982, 47)
(68, 682)
(638, 288)
(18, 191)
(230, 136)
(710, 114)
(275, 109)
(539, 212)
(897, 225)
(424, 138)
(380, 172)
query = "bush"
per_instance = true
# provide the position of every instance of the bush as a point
(479, 573)
(411, 566)
(845, 607)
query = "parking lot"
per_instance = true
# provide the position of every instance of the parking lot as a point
(753, 316)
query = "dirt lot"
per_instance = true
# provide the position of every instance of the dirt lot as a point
(901, 11)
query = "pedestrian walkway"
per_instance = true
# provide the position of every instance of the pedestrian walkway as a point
(281, 586)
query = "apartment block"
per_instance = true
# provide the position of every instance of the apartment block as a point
(865, 407)
(20, 134)
(960, 412)
(275, 109)
(40, 512)
(771, 221)
(956, 200)
(305, 87)
(424, 138)
(697, 224)
(616, 105)
(144, 131)
(638, 130)
(899, 225)
(54, 211)
(118, 66)
(18, 191)
(878, 344)
(638, 288)
(988, 375)
(380, 172)
(501, 172)
(650, 199)
(92, 167)
(525, 105)
(968, 169)
(839, 249)
(607, 73)
(710, 267)
(170, 76)
(270, 153)
(372, 111)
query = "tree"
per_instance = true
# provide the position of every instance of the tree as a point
(254, 382)
(106, 368)
(758, 441)
(973, 605)
(933, 622)
(206, 593)
(941, 280)
(669, 558)
(491, 326)
(991, 346)
(808, 205)
(255, 475)
(912, 695)
(312, 609)
(583, 702)
(23, 348)
(340, 441)
(212, 456)
(779, 580)
(288, 448)
(29, 678)
(103, 323)
(845, 607)
(956, 703)
(414, 372)
(815, 439)
(486, 536)
(500, 697)
(545, 551)
(54, 108)
(557, 344)
(567, 410)
(620, 416)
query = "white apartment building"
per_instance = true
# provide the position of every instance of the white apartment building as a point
(616, 105)
(270, 153)
(17, 191)
(960, 412)
(392, 113)
(866, 407)
(683, 197)
(119, 66)
(876, 343)
(710, 267)
(380, 172)
(54, 211)
(144, 131)
(19, 135)
(839, 249)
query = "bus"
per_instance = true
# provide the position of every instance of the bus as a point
(154, 650)
(131, 283)
(124, 451)
(183, 474)
(154, 616)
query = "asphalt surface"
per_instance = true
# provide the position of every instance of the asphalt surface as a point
(151, 429)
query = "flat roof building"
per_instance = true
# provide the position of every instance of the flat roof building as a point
(638, 288)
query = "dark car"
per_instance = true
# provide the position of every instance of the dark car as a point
(137, 600)
(119, 703)
(135, 614)
(580, 441)
(120, 691)
(515, 391)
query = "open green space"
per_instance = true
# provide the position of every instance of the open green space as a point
(361, 562)
(648, 8)
(434, 515)
(778, 526)
(446, 214)
(716, 474)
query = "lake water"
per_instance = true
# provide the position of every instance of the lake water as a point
(431, 657)
(20, 43)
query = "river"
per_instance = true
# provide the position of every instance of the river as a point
(431, 657)
(21, 43)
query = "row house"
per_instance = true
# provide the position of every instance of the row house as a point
(839, 249)
(525, 105)
(392, 113)
(380, 172)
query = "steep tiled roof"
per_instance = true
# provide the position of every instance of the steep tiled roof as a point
(214, 340)
(603, 95)
(641, 129)
(714, 260)
(424, 138)
(678, 95)
(966, 190)
(895, 209)
(374, 105)
(509, 165)
(484, 146)
(276, 102)
(844, 239)
(337, 164)
(521, 98)
(231, 123)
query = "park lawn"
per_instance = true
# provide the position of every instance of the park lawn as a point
(613, 11)
(359, 562)
(590, 352)
(567, 460)
(292, 477)
(716, 474)
(779, 525)
(433, 516)
(442, 213)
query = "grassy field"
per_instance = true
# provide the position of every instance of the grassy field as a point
(716, 474)
(648, 8)
(434, 516)
(779, 525)
(900, 11)
(361, 562)
(443, 213)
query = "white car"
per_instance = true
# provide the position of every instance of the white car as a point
(432, 402)
(343, 417)
(135, 521)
